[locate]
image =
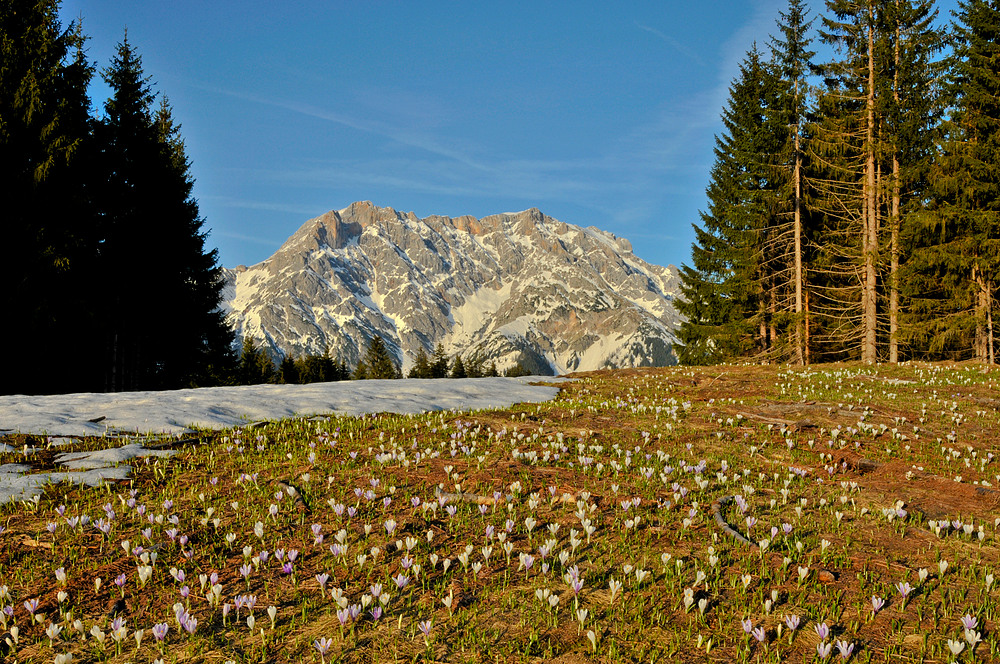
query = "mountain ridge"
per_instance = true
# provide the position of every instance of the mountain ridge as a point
(516, 287)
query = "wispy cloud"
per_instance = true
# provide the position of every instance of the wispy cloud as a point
(401, 135)
(673, 43)
(229, 202)
(264, 241)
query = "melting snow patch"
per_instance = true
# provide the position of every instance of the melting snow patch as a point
(16, 484)
(107, 458)
(176, 411)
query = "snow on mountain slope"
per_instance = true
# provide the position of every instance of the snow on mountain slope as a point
(517, 287)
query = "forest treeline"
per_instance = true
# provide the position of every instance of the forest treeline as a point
(854, 205)
(256, 367)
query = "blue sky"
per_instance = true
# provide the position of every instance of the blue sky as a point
(596, 113)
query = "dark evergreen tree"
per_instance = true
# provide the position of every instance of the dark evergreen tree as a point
(288, 371)
(439, 367)
(255, 367)
(378, 362)
(874, 136)
(148, 211)
(44, 129)
(952, 277)
(421, 365)
(727, 291)
(458, 368)
(792, 61)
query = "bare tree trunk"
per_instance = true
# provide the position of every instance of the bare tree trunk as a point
(799, 323)
(894, 224)
(773, 309)
(870, 240)
(807, 329)
(980, 341)
(989, 324)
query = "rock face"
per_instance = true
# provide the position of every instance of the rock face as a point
(519, 287)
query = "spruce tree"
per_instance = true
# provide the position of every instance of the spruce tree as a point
(847, 145)
(728, 291)
(458, 368)
(421, 365)
(953, 274)
(148, 210)
(912, 118)
(44, 141)
(874, 134)
(792, 61)
(378, 362)
(288, 371)
(439, 367)
(255, 367)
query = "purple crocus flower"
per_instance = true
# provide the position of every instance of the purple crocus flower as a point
(824, 649)
(877, 604)
(823, 631)
(747, 625)
(323, 646)
(969, 621)
(160, 630)
(845, 649)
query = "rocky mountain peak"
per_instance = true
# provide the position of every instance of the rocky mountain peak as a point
(516, 287)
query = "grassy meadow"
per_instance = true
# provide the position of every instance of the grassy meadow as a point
(724, 514)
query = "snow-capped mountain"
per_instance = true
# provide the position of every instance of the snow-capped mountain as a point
(516, 287)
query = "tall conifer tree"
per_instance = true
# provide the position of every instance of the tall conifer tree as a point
(792, 60)
(149, 216)
(44, 127)
(727, 291)
(952, 278)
